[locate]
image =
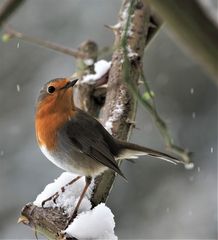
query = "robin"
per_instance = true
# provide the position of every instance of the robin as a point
(75, 141)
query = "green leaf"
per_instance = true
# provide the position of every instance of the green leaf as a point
(6, 38)
(148, 95)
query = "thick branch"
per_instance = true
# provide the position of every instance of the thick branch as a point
(118, 93)
(8, 8)
(194, 28)
(47, 221)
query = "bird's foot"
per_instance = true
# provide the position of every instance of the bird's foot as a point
(53, 197)
(71, 218)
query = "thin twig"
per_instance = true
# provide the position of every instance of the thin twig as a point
(8, 8)
(43, 43)
(12, 33)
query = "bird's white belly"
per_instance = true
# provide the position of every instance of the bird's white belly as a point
(63, 164)
(73, 166)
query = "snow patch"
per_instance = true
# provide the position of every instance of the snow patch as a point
(88, 62)
(189, 166)
(117, 112)
(124, 19)
(67, 199)
(131, 54)
(125, 12)
(100, 67)
(95, 224)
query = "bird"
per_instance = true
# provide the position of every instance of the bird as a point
(77, 142)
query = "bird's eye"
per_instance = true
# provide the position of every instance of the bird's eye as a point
(51, 89)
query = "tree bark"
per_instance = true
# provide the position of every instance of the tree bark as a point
(118, 93)
(8, 8)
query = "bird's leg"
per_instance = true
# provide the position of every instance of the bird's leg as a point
(56, 195)
(88, 182)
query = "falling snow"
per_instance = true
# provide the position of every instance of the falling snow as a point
(193, 115)
(191, 179)
(190, 213)
(211, 149)
(192, 90)
(198, 169)
(18, 87)
(18, 44)
(2, 153)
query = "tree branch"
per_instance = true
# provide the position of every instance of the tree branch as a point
(8, 8)
(194, 28)
(11, 33)
(118, 94)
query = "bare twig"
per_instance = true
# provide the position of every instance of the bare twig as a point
(11, 33)
(194, 28)
(8, 8)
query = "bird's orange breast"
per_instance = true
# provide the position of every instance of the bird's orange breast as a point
(47, 125)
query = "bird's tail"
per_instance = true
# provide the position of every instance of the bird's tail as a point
(132, 151)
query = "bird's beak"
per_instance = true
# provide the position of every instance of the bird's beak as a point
(70, 84)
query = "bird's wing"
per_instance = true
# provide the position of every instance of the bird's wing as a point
(88, 136)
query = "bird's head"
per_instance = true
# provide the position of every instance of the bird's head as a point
(56, 96)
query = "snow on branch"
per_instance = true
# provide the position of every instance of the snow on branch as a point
(96, 223)
(101, 68)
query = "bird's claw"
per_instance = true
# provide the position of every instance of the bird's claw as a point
(53, 197)
(72, 217)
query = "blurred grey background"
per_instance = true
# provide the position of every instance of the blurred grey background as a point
(160, 201)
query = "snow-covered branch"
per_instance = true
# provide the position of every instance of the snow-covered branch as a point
(96, 223)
